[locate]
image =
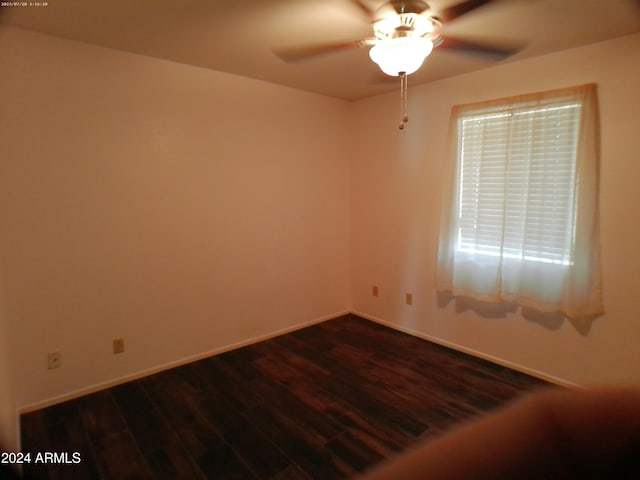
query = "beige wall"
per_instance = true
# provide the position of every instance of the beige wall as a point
(8, 411)
(182, 209)
(396, 188)
(189, 211)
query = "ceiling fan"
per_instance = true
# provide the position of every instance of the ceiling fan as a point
(404, 33)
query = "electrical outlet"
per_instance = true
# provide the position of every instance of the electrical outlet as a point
(375, 290)
(409, 299)
(54, 360)
(118, 345)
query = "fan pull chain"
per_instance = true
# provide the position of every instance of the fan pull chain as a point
(403, 100)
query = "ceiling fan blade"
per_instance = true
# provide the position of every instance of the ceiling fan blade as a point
(455, 11)
(369, 12)
(305, 52)
(485, 47)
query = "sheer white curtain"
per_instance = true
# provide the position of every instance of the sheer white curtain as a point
(520, 203)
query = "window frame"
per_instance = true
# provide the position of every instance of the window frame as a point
(574, 289)
(509, 110)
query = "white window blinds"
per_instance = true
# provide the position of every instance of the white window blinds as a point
(517, 180)
(520, 203)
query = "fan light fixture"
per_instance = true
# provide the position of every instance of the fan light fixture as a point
(403, 39)
(404, 34)
(401, 55)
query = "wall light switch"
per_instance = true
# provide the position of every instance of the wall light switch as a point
(375, 290)
(118, 345)
(409, 299)
(54, 360)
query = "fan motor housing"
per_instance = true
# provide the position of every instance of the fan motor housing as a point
(409, 6)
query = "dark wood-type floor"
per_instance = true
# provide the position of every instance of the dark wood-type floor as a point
(328, 401)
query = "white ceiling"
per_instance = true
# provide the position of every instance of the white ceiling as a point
(237, 36)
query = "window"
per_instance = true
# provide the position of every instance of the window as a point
(520, 214)
(517, 178)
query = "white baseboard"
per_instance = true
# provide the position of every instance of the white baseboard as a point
(166, 366)
(183, 361)
(499, 361)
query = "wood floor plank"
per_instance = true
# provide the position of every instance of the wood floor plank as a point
(314, 420)
(224, 381)
(345, 384)
(241, 362)
(258, 452)
(358, 455)
(173, 464)
(58, 429)
(222, 462)
(158, 443)
(148, 425)
(119, 458)
(302, 449)
(384, 434)
(292, 472)
(196, 435)
(100, 415)
(325, 402)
